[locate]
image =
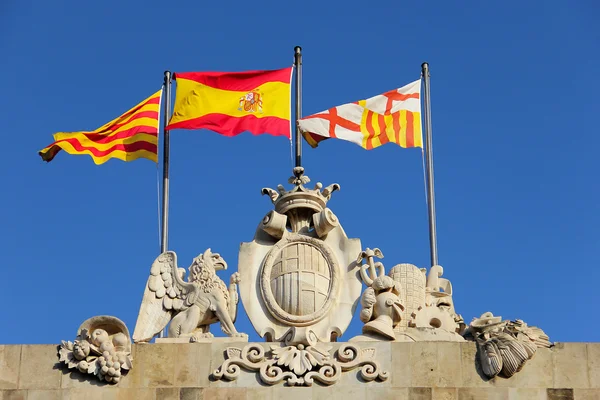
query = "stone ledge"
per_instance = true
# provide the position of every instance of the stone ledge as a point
(428, 370)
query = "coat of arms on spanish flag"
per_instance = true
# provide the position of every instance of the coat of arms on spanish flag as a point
(233, 102)
(128, 137)
(391, 117)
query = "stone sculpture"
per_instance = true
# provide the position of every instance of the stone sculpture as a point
(504, 346)
(101, 348)
(382, 306)
(300, 272)
(438, 309)
(189, 306)
(299, 365)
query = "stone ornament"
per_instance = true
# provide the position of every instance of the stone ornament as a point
(438, 309)
(299, 273)
(407, 305)
(298, 365)
(190, 306)
(101, 348)
(382, 306)
(503, 347)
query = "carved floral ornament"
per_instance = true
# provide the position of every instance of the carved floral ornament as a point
(300, 279)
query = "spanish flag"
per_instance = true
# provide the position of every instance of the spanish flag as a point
(391, 117)
(131, 136)
(233, 102)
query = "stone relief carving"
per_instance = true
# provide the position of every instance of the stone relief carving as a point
(503, 347)
(299, 273)
(298, 365)
(382, 306)
(101, 348)
(190, 306)
(438, 309)
(420, 305)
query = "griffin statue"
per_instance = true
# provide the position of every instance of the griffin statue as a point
(190, 306)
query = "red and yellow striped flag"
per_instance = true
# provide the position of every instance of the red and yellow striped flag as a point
(392, 117)
(233, 102)
(131, 136)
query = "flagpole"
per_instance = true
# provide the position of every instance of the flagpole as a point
(165, 186)
(298, 66)
(429, 165)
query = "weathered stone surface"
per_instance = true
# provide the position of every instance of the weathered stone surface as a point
(157, 364)
(263, 393)
(420, 393)
(341, 392)
(435, 364)
(136, 394)
(593, 353)
(44, 394)
(13, 394)
(192, 368)
(10, 359)
(292, 393)
(449, 370)
(423, 360)
(570, 366)
(560, 394)
(190, 394)
(401, 366)
(214, 393)
(444, 394)
(38, 368)
(377, 393)
(586, 394)
(167, 393)
(91, 393)
(482, 393)
(526, 394)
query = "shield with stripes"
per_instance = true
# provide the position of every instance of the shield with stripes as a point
(300, 279)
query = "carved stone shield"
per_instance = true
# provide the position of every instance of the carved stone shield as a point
(298, 278)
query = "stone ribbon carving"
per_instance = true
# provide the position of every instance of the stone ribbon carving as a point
(299, 272)
(190, 306)
(102, 348)
(504, 346)
(298, 365)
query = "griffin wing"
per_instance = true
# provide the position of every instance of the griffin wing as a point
(165, 293)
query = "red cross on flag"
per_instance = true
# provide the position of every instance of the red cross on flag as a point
(392, 117)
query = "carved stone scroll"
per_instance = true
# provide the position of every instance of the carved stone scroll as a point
(298, 365)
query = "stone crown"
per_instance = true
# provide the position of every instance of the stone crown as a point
(299, 196)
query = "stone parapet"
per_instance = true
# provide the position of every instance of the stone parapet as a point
(422, 370)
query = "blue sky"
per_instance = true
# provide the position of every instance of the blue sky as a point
(515, 102)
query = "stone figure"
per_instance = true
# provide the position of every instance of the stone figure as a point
(190, 306)
(504, 346)
(102, 348)
(382, 306)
